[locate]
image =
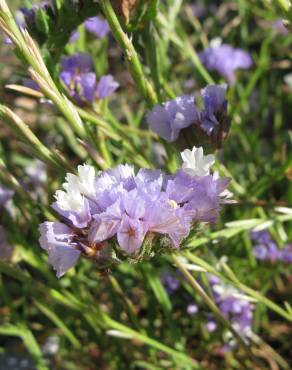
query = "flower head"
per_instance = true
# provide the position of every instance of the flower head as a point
(181, 119)
(225, 60)
(81, 82)
(121, 212)
(170, 117)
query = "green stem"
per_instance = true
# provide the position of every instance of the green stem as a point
(177, 356)
(135, 67)
(127, 302)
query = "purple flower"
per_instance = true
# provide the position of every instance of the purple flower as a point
(170, 117)
(210, 126)
(260, 252)
(233, 305)
(262, 237)
(97, 26)
(121, 209)
(285, 254)
(74, 36)
(170, 282)
(225, 60)
(31, 84)
(192, 309)
(211, 326)
(215, 105)
(278, 26)
(106, 86)
(58, 240)
(267, 249)
(81, 82)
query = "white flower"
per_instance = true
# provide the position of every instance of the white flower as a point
(195, 163)
(83, 183)
(214, 43)
(70, 201)
(76, 187)
(86, 180)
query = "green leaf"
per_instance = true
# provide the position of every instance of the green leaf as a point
(59, 323)
(22, 331)
(42, 21)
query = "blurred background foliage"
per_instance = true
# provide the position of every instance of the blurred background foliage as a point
(59, 324)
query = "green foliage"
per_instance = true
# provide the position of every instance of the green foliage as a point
(131, 321)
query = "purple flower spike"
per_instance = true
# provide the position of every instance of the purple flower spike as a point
(225, 60)
(215, 107)
(97, 26)
(169, 118)
(106, 86)
(56, 238)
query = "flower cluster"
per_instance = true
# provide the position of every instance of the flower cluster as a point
(234, 306)
(232, 303)
(118, 213)
(80, 80)
(210, 125)
(225, 60)
(266, 248)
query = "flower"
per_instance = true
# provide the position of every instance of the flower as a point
(81, 82)
(267, 249)
(167, 119)
(192, 309)
(106, 86)
(181, 119)
(57, 239)
(234, 306)
(215, 105)
(225, 60)
(285, 254)
(195, 163)
(119, 213)
(97, 26)
(170, 282)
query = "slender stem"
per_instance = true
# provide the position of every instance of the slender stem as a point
(127, 302)
(135, 67)
(211, 304)
(178, 356)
